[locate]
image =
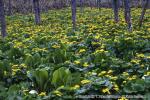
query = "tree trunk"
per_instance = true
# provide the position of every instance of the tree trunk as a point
(2, 19)
(9, 7)
(37, 11)
(99, 4)
(145, 5)
(73, 3)
(128, 14)
(81, 6)
(115, 5)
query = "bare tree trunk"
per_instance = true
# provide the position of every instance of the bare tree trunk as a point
(91, 5)
(115, 5)
(37, 11)
(10, 7)
(128, 14)
(145, 5)
(2, 19)
(81, 6)
(99, 4)
(73, 5)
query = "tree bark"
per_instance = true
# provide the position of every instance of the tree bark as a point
(115, 5)
(2, 19)
(81, 6)
(36, 7)
(73, 5)
(10, 7)
(99, 4)
(128, 14)
(145, 5)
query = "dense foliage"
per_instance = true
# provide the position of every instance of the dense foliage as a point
(52, 61)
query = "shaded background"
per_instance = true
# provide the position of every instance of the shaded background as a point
(25, 6)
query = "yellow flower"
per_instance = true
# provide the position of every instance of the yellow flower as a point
(141, 55)
(77, 62)
(5, 72)
(100, 51)
(125, 74)
(124, 82)
(132, 78)
(142, 66)
(113, 78)
(23, 65)
(116, 87)
(123, 98)
(135, 61)
(15, 66)
(85, 64)
(82, 50)
(148, 73)
(42, 94)
(55, 46)
(85, 81)
(58, 93)
(129, 78)
(76, 87)
(102, 73)
(110, 72)
(106, 90)
(97, 36)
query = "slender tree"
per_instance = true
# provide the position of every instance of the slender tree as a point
(145, 5)
(73, 5)
(9, 7)
(99, 4)
(128, 14)
(37, 11)
(81, 6)
(115, 5)
(2, 19)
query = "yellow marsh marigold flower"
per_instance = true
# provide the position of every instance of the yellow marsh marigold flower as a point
(110, 72)
(140, 55)
(100, 51)
(148, 73)
(125, 74)
(116, 87)
(5, 73)
(85, 81)
(114, 78)
(142, 66)
(23, 65)
(135, 61)
(123, 98)
(55, 46)
(102, 73)
(82, 50)
(132, 78)
(15, 66)
(106, 90)
(76, 87)
(77, 62)
(42, 94)
(124, 82)
(97, 36)
(85, 64)
(58, 93)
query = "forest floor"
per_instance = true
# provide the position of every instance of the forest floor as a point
(51, 61)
